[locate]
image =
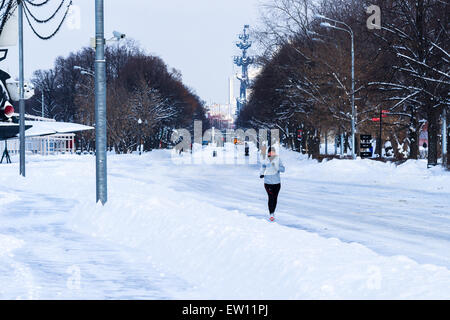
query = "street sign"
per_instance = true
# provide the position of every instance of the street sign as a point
(384, 114)
(365, 145)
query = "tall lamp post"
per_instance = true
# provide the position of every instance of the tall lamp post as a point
(140, 135)
(21, 93)
(42, 102)
(100, 104)
(444, 137)
(349, 31)
(100, 101)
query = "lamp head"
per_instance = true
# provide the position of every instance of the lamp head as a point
(118, 35)
(326, 25)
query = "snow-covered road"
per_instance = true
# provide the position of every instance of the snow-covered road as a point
(391, 217)
(200, 230)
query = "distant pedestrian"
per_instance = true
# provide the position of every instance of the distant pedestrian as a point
(270, 171)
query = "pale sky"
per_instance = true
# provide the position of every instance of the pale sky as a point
(194, 36)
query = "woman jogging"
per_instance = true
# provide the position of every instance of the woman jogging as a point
(270, 171)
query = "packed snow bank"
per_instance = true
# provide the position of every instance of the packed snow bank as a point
(8, 244)
(228, 255)
(16, 279)
(412, 173)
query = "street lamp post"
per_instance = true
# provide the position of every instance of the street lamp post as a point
(100, 104)
(349, 31)
(85, 71)
(99, 76)
(140, 136)
(100, 100)
(42, 103)
(21, 93)
(444, 137)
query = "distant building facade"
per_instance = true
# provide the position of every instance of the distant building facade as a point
(219, 116)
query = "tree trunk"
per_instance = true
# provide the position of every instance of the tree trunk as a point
(309, 144)
(433, 129)
(303, 142)
(357, 145)
(413, 136)
(448, 138)
(345, 142)
(316, 145)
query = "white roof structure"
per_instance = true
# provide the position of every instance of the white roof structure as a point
(42, 128)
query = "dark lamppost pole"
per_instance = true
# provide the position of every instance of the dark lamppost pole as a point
(99, 75)
(444, 137)
(380, 147)
(140, 136)
(21, 93)
(100, 104)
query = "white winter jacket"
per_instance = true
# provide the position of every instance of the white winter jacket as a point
(271, 170)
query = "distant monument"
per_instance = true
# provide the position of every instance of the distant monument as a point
(243, 61)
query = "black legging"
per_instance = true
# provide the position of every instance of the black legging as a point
(272, 192)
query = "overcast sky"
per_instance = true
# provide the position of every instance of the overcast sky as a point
(194, 36)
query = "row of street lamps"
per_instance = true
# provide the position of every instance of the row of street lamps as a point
(349, 30)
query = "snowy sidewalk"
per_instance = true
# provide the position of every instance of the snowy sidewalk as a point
(41, 258)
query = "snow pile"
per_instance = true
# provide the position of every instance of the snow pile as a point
(16, 279)
(412, 173)
(6, 198)
(8, 244)
(228, 255)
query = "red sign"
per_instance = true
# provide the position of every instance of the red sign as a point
(384, 114)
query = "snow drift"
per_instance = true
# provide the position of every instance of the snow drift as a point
(228, 255)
